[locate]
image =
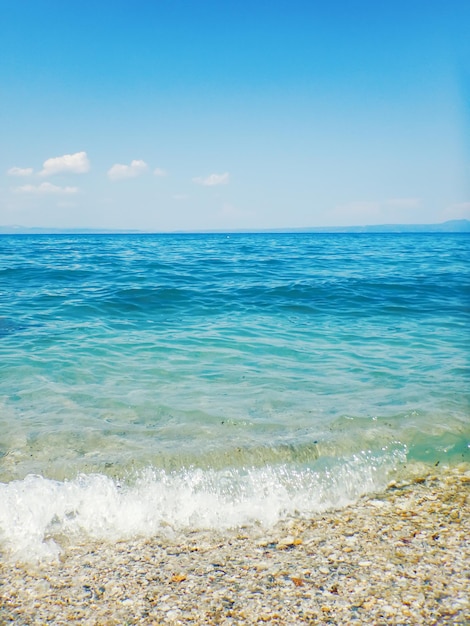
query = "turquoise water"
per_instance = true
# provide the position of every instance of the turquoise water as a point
(155, 381)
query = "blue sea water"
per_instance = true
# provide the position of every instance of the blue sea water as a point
(152, 382)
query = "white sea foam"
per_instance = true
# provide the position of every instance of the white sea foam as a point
(35, 513)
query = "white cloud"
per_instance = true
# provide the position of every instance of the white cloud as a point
(66, 204)
(228, 211)
(77, 163)
(457, 211)
(119, 171)
(404, 203)
(390, 210)
(20, 171)
(213, 179)
(46, 188)
(356, 211)
(159, 172)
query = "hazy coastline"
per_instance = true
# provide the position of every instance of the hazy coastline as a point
(450, 226)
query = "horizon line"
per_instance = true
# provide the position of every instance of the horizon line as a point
(456, 225)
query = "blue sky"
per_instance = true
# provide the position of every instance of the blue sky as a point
(169, 114)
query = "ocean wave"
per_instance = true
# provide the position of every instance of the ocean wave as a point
(37, 514)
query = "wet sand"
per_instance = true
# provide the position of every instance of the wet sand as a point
(399, 557)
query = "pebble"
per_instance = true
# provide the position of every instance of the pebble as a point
(400, 557)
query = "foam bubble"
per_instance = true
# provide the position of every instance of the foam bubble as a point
(35, 513)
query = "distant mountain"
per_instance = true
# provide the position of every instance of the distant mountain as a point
(451, 226)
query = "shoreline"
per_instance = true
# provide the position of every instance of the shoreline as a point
(398, 557)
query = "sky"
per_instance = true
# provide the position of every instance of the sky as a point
(165, 115)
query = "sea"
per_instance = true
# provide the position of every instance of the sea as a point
(155, 384)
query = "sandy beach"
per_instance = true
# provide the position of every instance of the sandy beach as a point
(400, 557)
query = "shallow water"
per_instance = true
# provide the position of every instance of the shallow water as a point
(219, 380)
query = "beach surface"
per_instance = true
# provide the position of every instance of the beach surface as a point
(398, 557)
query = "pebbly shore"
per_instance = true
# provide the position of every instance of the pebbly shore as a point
(398, 557)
